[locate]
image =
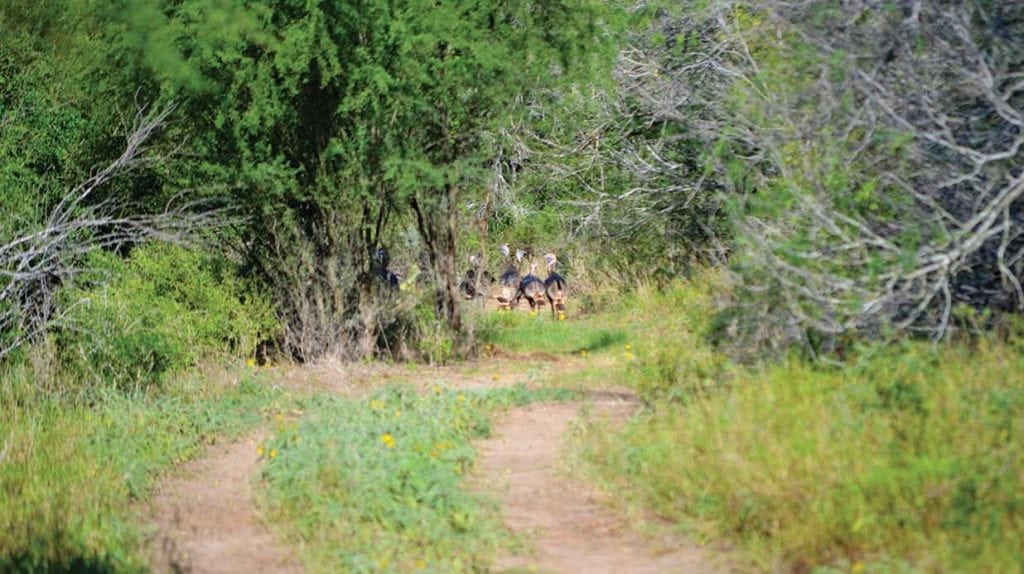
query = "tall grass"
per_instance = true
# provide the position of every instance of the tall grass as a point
(70, 472)
(908, 457)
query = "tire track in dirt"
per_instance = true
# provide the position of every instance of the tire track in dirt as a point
(567, 527)
(206, 517)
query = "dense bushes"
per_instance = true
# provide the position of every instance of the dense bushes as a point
(162, 310)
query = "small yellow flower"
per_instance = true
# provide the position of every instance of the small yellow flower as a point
(437, 390)
(629, 346)
(398, 414)
(273, 453)
(260, 450)
(462, 398)
(388, 440)
(629, 356)
(857, 568)
(421, 564)
(250, 362)
(533, 313)
(561, 316)
(583, 353)
(376, 405)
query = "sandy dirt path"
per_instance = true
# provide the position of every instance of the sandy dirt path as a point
(566, 525)
(206, 517)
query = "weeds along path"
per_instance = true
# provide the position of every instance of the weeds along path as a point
(566, 525)
(206, 517)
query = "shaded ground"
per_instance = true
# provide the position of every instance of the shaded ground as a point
(206, 518)
(567, 526)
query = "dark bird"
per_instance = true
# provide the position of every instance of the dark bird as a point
(554, 287)
(508, 281)
(532, 288)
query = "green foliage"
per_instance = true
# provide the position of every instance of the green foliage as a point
(72, 474)
(434, 341)
(903, 458)
(377, 484)
(521, 332)
(159, 312)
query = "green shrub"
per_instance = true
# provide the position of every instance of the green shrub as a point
(133, 322)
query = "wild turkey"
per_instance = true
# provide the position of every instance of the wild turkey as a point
(554, 287)
(508, 281)
(381, 261)
(532, 288)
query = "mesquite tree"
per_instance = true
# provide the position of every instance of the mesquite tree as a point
(337, 125)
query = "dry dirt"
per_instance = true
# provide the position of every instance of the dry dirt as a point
(567, 525)
(206, 517)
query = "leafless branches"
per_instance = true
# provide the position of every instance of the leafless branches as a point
(36, 262)
(901, 144)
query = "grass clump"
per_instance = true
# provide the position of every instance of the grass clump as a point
(377, 484)
(907, 457)
(71, 471)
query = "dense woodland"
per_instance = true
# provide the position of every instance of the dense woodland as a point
(194, 181)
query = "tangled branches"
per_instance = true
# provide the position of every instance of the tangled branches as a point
(895, 186)
(36, 262)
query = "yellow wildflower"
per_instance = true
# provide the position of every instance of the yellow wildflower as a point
(629, 346)
(629, 356)
(259, 450)
(388, 440)
(273, 453)
(462, 398)
(857, 568)
(250, 362)
(583, 353)
(398, 414)
(421, 564)
(376, 405)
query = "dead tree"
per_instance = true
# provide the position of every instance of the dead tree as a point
(35, 263)
(904, 142)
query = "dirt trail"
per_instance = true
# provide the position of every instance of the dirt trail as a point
(206, 519)
(567, 527)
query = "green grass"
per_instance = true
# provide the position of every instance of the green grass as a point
(523, 333)
(73, 471)
(908, 458)
(377, 484)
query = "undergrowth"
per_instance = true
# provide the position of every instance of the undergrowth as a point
(378, 484)
(906, 458)
(70, 472)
